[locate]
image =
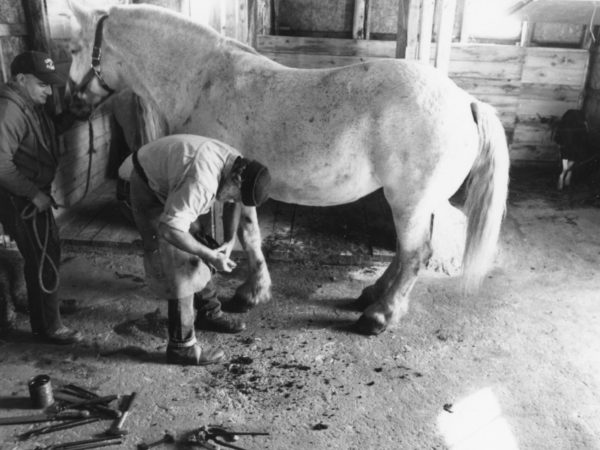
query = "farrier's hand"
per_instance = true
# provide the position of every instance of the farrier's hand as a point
(226, 248)
(222, 263)
(42, 201)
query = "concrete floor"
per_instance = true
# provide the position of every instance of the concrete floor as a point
(515, 367)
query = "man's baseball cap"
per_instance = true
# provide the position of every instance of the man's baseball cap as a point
(38, 64)
(256, 181)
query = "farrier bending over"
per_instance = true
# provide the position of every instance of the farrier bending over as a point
(175, 180)
(29, 155)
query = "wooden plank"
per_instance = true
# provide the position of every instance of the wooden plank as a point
(536, 133)
(484, 70)
(558, 92)
(444, 37)
(326, 46)
(464, 23)
(402, 28)
(531, 110)
(77, 193)
(413, 27)
(426, 30)
(13, 29)
(480, 86)
(555, 66)
(526, 33)
(37, 25)
(78, 172)
(358, 22)
(314, 61)
(69, 217)
(76, 155)
(505, 54)
(534, 153)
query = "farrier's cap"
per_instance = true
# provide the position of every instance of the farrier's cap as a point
(256, 182)
(38, 64)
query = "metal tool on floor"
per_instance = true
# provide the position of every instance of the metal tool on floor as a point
(73, 394)
(168, 438)
(53, 428)
(222, 436)
(45, 417)
(85, 444)
(116, 428)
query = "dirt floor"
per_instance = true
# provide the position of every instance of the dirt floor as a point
(515, 367)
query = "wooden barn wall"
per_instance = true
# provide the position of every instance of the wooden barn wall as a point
(529, 86)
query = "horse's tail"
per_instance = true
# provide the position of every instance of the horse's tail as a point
(487, 190)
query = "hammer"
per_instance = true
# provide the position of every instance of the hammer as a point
(116, 429)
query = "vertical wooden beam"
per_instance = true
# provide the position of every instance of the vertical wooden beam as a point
(37, 25)
(425, 30)
(358, 24)
(402, 30)
(369, 3)
(263, 17)
(526, 34)
(464, 22)
(275, 17)
(444, 37)
(253, 23)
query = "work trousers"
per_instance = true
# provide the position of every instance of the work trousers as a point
(44, 314)
(146, 210)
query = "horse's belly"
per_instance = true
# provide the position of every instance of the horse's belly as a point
(322, 186)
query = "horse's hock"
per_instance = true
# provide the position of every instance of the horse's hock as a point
(447, 240)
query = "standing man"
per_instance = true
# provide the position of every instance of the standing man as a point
(175, 180)
(28, 160)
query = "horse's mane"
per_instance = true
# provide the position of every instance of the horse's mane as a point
(152, 125)
(167, 15)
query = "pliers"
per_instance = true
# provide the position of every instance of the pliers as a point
(222, 436)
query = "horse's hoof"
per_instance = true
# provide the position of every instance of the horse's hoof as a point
(370, 326)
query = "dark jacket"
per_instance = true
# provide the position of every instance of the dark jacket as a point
(29, 148)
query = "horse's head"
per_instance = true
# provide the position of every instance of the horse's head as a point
(86, 83)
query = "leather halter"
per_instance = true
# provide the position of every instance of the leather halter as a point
(95, 70)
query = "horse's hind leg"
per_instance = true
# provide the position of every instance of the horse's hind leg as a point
(371, 293)
(413, 249)
(257, 287)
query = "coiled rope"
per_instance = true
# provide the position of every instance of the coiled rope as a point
(30, 212)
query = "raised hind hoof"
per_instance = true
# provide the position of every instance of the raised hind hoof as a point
(369, 325)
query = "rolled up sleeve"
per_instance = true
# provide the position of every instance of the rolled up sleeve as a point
(183, 206)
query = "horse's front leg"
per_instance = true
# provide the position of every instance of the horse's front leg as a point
(257, 287)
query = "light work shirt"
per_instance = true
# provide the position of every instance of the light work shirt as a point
(184, 171)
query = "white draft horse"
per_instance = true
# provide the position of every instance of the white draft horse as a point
(328, 136)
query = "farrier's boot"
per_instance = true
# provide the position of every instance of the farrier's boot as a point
(191, 354)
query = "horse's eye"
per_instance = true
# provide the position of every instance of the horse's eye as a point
(74, 49)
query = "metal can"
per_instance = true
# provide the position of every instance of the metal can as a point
(40, 391)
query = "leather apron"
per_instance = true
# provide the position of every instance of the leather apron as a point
(172, 273)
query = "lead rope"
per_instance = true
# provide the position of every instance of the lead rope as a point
(91, 151)
(30, 212)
